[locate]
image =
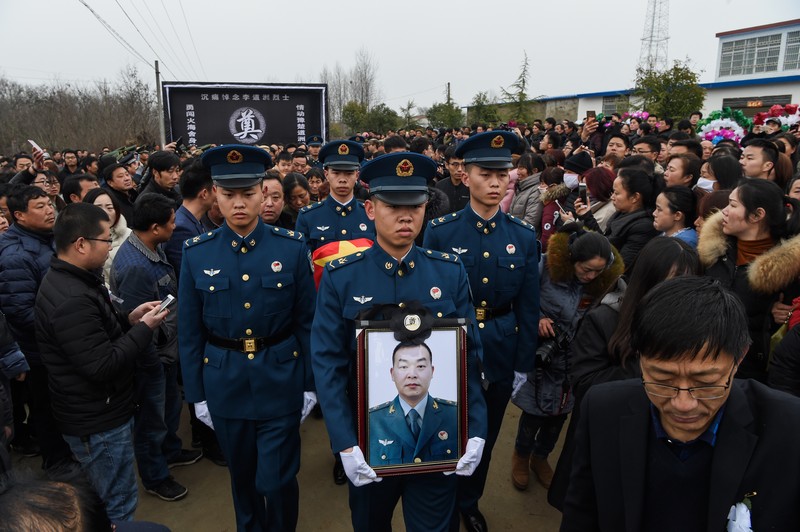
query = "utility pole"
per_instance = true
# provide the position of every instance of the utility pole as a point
(655, 37)
(448, 94)
(161, 129)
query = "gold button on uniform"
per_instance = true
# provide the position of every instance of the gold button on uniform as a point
(245, 277)
(210, 288)
(205, 360)
(481, 325)
(244, 250)
(247, 305)
(280, 285)
(248, 332)
(250, 356)
(483, 303)
(486, 231)
(438, 314)
(295, 354)
(400, 273)
(402, 305)
(417, 460)
(512, 266)
(448, 451)
(485, 254)
(485, 280)
(344, 231)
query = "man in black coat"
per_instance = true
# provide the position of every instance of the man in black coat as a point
(89, 347)
(687, 448)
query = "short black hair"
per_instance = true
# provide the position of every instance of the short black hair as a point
(692, 145)
(284, 156)
(72, 185)
(394, 142)
(554, 139)
(19, 156)
(78, 220)
(108, 171)
(768, 148)
(405, 344)
(651, 141)
(195, 178)
(621, 136)
(419, 144)
(678, 135)
(151, 208)
(660, 333)
(450, 153)
(162, 160)
(684, 124)
(18, 198)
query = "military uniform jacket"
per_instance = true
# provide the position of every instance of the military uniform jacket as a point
(353, 284)
(233, 287)
(501, 256)
(391, 441)
(329, 221)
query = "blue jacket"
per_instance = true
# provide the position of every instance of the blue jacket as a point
(357, 282)
(328, 221)
(24, 260)
(259, 286)
(501, 256)
(12, 361)
(391, 442)
(186, 226)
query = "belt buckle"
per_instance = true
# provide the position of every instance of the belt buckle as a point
(249, 345)
(480, 314)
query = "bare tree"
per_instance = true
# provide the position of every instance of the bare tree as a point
(338, 90)
(364, 79)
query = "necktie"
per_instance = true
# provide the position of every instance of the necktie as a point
(412, 418)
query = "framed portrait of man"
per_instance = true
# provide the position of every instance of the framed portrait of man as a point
(412, 397)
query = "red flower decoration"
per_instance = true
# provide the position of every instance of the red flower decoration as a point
(790, 109)
(776, 110)
(759, 119)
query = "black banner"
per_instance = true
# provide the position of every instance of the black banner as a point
(244, 113)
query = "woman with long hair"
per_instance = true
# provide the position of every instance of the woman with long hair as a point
(119, 226)
(578, 268)
(753, 249)
(296, 194)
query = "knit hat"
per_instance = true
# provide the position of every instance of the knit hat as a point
(579, 163)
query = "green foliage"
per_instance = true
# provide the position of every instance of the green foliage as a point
(354, 116)
(381, 118)
(483, 110)
(672, 93)
(517, 93)
(445, 115)
(407, 115)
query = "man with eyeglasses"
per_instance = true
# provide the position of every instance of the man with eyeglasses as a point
(650, 147)
(453, 186)
(686, 447)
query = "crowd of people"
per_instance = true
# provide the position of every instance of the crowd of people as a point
(561, 243)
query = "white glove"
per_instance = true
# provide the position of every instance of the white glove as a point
(357, 469)
(202, 413)
(519, 381)
(470, 459)
(309, 401)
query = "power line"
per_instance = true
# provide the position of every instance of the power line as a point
(191, 37)
(180, 41)
(161, 30)
(154, 33)
(142, 36)
(116, 35)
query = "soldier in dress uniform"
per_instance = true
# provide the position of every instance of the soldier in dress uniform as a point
(392, 272)
(340, 216)
(245, 308)
(314, 145)
(398, 436)
(501, 256)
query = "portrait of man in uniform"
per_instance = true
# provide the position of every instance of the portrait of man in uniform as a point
(415, 427)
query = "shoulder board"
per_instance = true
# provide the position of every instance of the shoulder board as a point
(444, 219)
(199, 239)
(446, 402)
(341, 262)
(384, 405)
(447, 257)
(520, 221)
(286, 233)
(311, 206)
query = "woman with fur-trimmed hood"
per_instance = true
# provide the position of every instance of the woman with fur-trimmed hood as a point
(579, 268)
(751, 247)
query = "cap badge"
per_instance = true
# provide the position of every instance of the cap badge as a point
(498, 142)
(412, 322)
(405, 168)
(344, 149)
(436, 292)
(511, 249)
(277, 266)
(234, 157)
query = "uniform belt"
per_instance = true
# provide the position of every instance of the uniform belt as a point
(249, 345)
(486, 314)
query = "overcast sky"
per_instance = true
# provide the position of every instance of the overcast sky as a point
(573, 46)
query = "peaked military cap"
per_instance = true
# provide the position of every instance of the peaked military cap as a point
(342, 155)
(358, 138)
(237, 165)
(491, 149)
(399, 178)
(315, 140)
